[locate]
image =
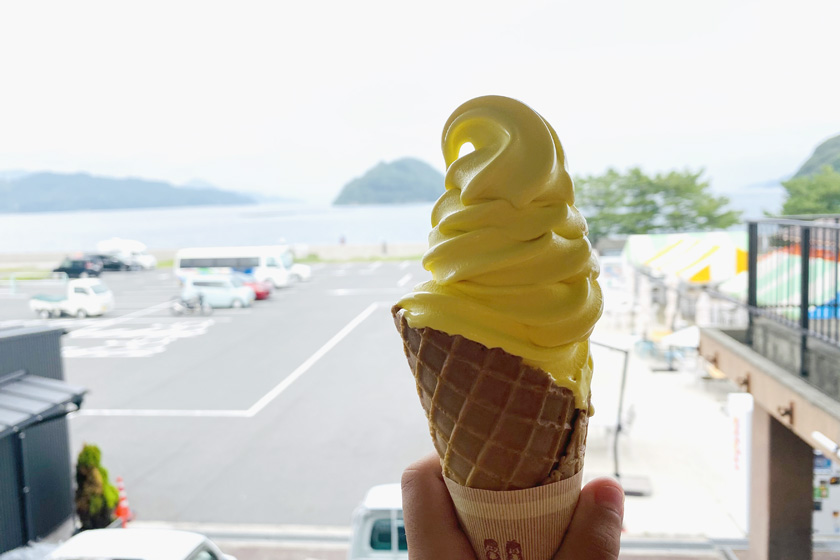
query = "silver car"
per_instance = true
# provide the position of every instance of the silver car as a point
(218, 290)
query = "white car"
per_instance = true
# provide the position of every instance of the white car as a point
(300, 272)
(378, 528)
(138, 544)
(132, 252)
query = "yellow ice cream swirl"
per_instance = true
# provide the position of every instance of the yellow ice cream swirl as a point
(511, 265)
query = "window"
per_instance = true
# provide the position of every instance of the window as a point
(380, 535)
(80, 291)
(196, 263)
(402, 543)
(99, 289)
(204, 554)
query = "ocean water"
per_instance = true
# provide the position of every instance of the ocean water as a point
(172, 228)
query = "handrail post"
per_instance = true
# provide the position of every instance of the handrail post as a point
(752, 277)
(804, 302)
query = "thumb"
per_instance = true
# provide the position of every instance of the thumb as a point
(595, 531)
(431, 524)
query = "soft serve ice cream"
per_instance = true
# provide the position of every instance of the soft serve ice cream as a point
(511, 265)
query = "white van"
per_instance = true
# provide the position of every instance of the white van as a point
(264, 263)
(378, 528)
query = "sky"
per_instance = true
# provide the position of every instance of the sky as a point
(298, 98)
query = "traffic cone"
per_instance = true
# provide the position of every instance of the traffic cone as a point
(123, 511)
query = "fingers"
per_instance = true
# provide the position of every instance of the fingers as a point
(595, 532)
(431, 526)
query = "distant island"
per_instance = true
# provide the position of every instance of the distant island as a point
(57, 192)
(398, 182)
(827, 153)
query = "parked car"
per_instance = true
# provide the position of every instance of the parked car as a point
(218, 290)
(133, 252)
(85, 297)
(262, 288)
(297, 271)
(114, 262)
(81, 266)
(378, 528)
(139, 544)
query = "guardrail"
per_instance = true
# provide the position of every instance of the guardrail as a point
(794, 278)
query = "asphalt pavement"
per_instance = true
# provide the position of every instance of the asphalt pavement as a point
(281, 414)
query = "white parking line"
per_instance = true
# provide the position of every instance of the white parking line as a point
(304, 367)
(363, 291)
(264, 401)
(404, 280)
(404, 265)
(104, 323)
(76, 325)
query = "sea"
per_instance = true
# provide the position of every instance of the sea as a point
(209, 226)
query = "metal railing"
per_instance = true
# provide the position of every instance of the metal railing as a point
(794, 278)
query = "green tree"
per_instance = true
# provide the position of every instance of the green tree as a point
(96, 497)
(813, 194)
(633, 202)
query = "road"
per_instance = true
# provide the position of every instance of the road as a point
(282, 414)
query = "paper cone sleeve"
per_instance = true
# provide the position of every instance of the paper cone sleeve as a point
(524, 524)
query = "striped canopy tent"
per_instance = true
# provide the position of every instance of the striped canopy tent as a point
(779, 283)
(694, 258)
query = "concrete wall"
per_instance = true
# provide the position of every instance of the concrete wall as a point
(782, 345)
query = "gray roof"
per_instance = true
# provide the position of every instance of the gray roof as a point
(27, 399)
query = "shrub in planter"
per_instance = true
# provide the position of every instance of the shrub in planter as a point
(96, 497)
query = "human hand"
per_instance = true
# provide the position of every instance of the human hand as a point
(433, 532)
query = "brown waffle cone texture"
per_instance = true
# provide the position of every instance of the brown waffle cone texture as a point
(497, 423)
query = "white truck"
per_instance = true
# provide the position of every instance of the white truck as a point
(378, 527)
(85, 297)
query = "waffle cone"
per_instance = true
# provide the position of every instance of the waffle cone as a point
(497, 423)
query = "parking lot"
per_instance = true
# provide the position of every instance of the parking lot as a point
(269, 424)
(284, 413)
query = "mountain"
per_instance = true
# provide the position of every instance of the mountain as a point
(12, 174)
(827, 153)
(56, 192)
(401, 181)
